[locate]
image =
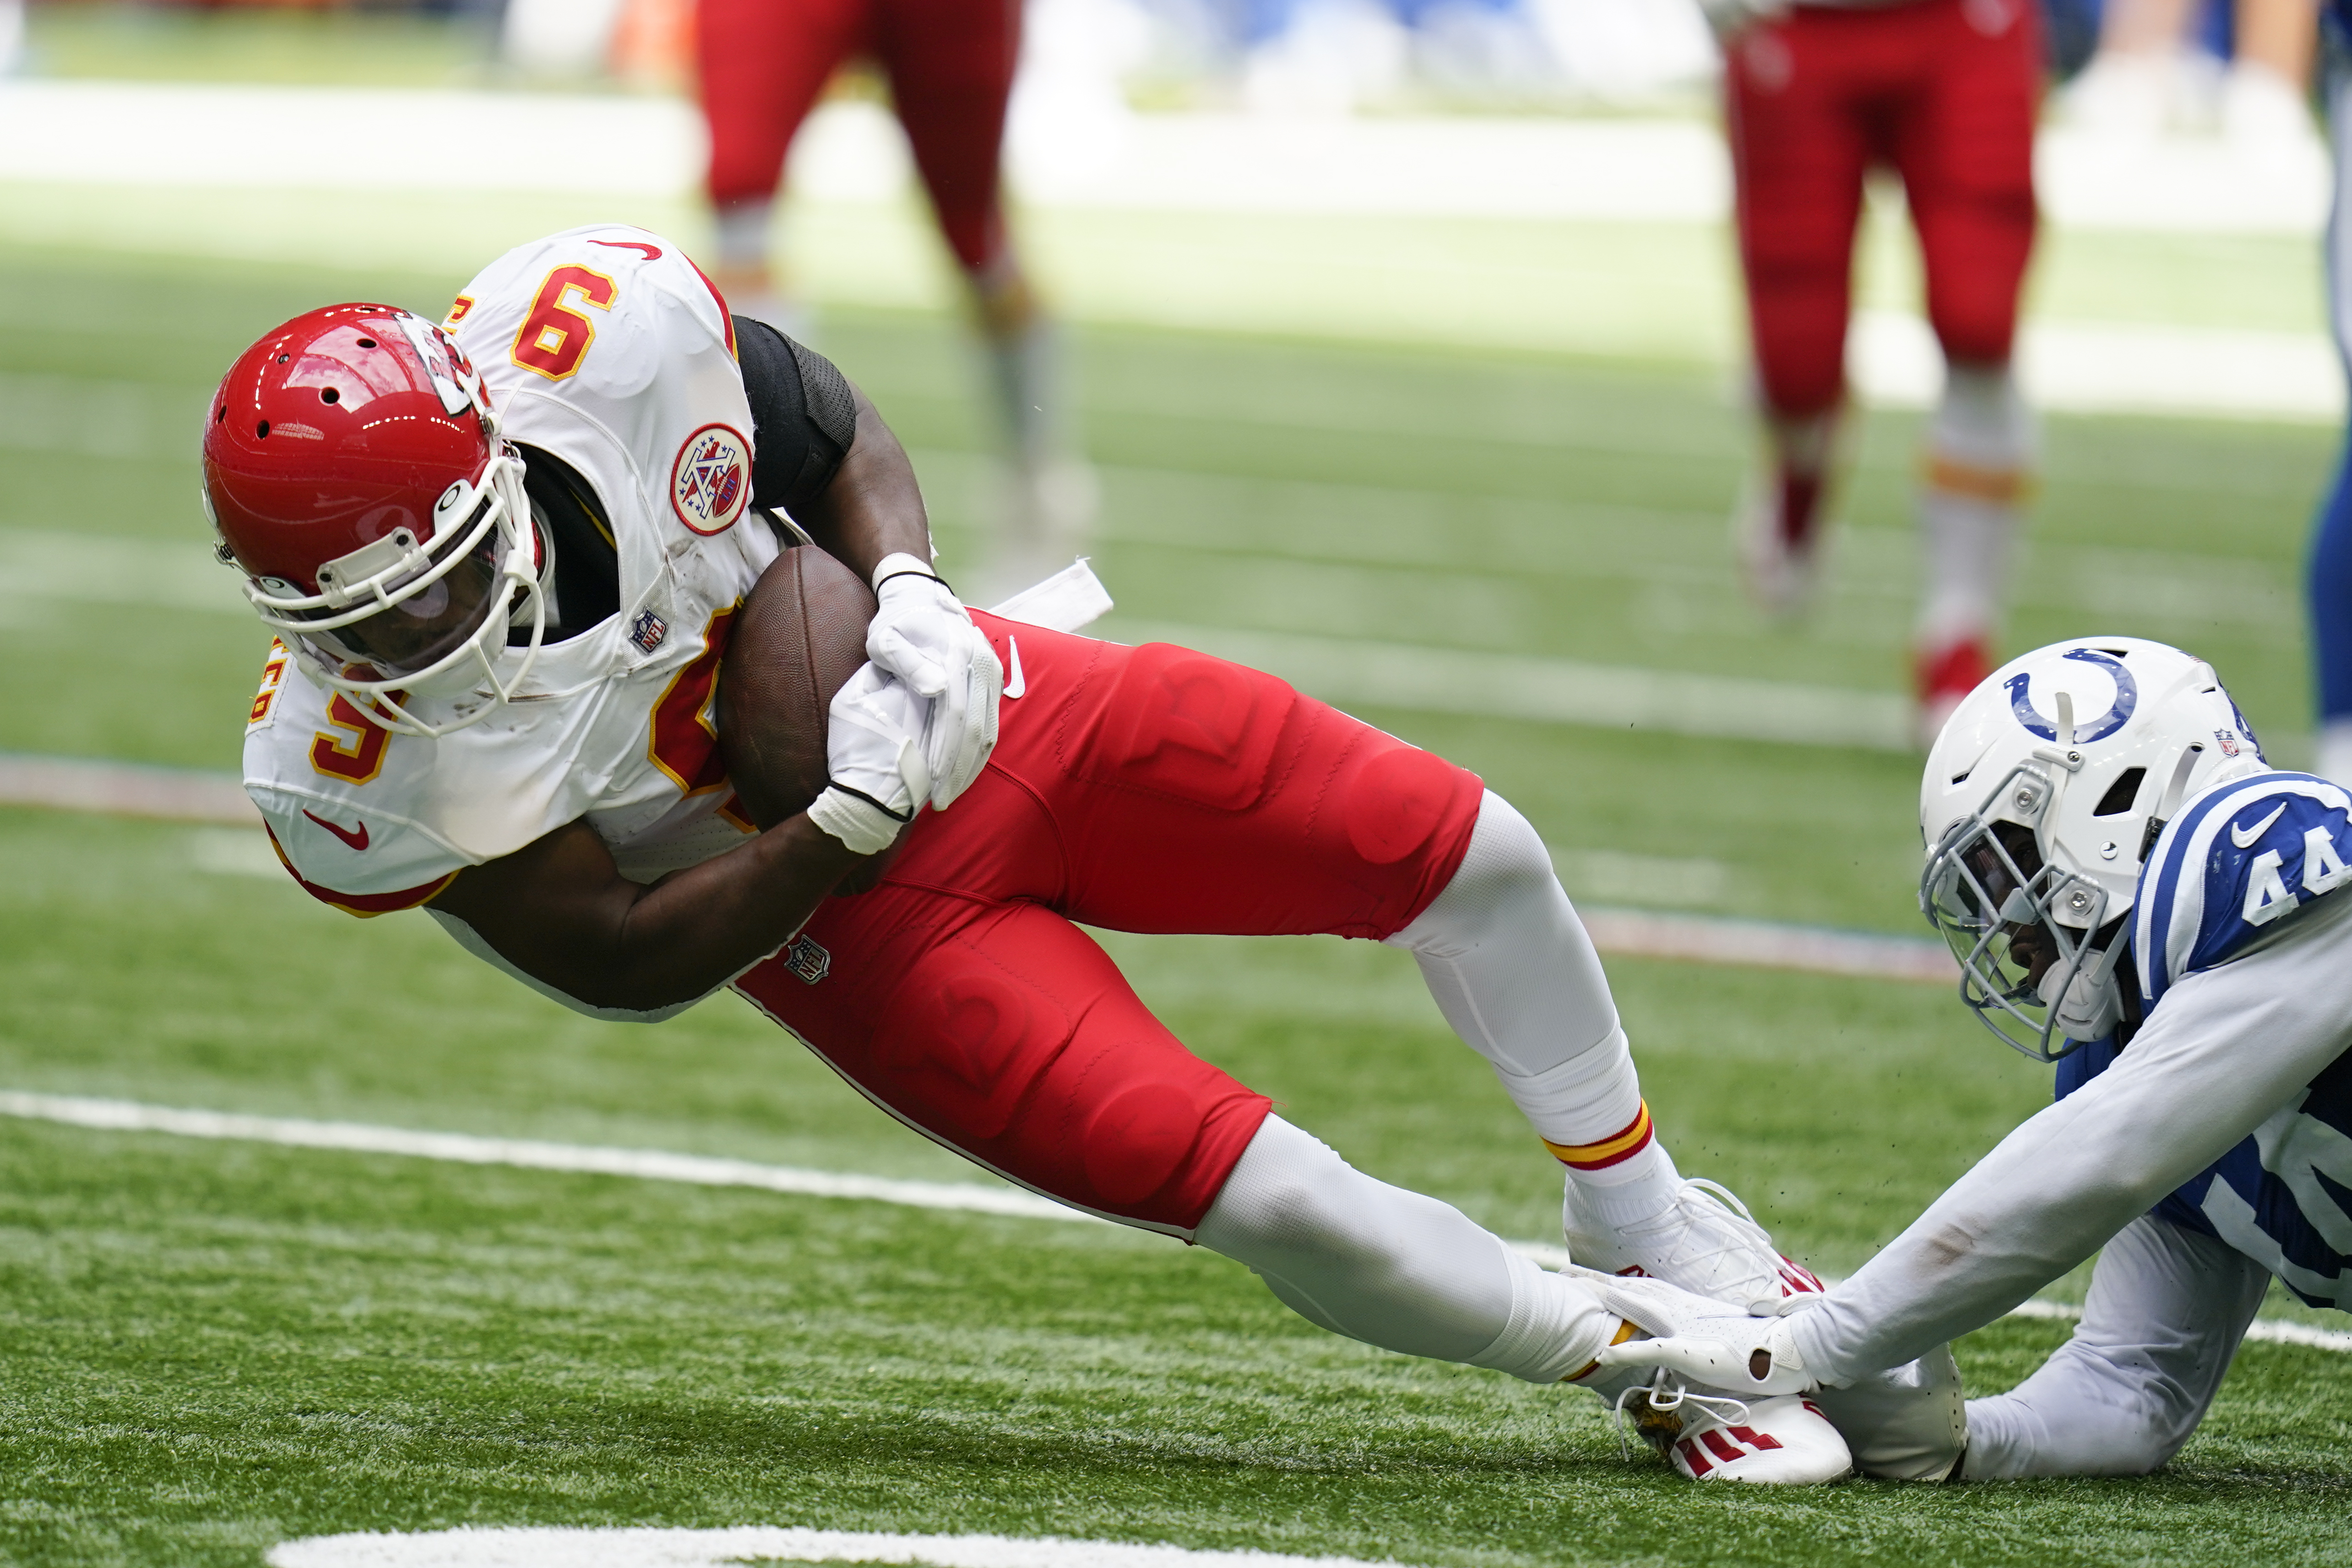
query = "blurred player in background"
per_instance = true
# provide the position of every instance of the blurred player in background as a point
(1944, 91)
(2330, 577)
(2150, 72)
(950, 63)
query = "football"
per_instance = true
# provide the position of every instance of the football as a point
(799, 637)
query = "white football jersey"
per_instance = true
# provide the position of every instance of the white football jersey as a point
(607, 348)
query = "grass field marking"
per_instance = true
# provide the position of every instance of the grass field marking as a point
(465, 1148)
(701, 1170)
(1552, 691)
(125, 789)
(1768, 944)
(541, 1546)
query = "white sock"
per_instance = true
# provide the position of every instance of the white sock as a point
(1514, 972)
(743, 234)
(1393, 1268)
(1980, 449)
(1024, 375)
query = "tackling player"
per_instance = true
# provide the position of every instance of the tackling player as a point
(1944, 91)
(760, 65)
(502, 561)
(2134, 892)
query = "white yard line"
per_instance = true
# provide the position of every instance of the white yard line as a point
(543, 1546)
(465, 1148)
(654, 1165)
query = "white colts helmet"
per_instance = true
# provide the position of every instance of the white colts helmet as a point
(2042, 795)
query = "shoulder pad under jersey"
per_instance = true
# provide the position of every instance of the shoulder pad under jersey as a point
(2235, 862)
(606, 346)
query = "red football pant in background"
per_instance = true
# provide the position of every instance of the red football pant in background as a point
(1944, 91)
(950, 62)
(1150, 788)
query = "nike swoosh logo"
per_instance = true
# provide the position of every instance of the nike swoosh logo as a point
(1015, 682)
(359, 841)
(2245, 837)
(651, 253)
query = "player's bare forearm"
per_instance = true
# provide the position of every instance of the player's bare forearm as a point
(873, 507)
(561, 911)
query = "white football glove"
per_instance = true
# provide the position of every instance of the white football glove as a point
(1907, 1424)
(1703, 1339)
(922, 635)
(878, 778)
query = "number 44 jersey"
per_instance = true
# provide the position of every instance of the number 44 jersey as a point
(2249, 875)
(605, 348)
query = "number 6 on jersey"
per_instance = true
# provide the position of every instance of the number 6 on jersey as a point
(554, 337)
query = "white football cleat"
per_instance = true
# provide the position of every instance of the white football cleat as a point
(1706, 1241)
(1780, 1441)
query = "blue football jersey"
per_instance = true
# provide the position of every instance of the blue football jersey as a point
(2230, 871)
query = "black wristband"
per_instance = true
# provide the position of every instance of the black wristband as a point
(910, 571)
(907, 816)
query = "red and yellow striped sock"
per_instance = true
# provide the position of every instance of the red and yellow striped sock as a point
(1615, 1149)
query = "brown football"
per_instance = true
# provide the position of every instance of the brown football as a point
(799, 637)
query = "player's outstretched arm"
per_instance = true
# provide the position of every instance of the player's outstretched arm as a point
(2228, 1047)
(559, 910)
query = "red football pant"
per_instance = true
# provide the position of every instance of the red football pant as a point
(950, 62)
(1944, 91)
(1148, 789)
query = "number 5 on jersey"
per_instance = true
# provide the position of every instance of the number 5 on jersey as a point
(555, 336)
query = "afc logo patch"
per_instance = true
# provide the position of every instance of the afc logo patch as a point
(710, 483)
(648, 632)
(807, 961)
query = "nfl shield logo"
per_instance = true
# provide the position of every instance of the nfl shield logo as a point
(807, 960)
(2228, 742)
(710, 483)
(648, 632)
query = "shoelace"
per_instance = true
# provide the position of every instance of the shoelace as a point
(1734, 1228)
(1665, 1393)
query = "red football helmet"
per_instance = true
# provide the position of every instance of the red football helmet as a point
(353, 472)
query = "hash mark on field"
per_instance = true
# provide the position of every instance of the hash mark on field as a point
(701, 1170)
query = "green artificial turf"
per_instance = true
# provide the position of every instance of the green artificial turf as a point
(207, 1347)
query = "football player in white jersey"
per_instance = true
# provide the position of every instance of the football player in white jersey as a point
(2134, 892)
(501, 558)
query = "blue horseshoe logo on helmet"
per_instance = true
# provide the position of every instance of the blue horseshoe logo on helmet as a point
(2105, 724)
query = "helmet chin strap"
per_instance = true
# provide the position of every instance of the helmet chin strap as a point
(2091, 1004)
